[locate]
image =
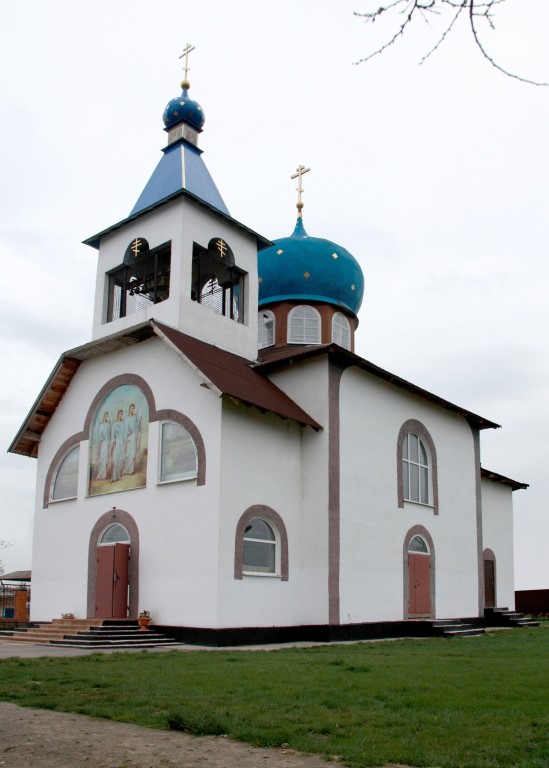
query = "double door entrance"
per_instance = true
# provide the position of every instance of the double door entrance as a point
(111, 593)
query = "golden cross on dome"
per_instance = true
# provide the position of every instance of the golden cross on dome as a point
(299, 175)
(188, 48)
(136, 245)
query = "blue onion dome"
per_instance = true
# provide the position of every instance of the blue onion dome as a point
(306, 268)
(184, 109)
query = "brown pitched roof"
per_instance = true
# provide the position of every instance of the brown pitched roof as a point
(225, 373)
(235, 377)
(277, 357)
(486, 474)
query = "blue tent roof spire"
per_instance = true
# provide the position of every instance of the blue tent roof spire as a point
(181, 166)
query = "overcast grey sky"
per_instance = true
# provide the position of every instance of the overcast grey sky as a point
(433, 176)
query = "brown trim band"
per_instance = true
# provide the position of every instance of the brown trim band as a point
(125, 519)
(418, 530)
(71, 442)
(168, 414)
(268, 514)
(118, 381)
(417, 428)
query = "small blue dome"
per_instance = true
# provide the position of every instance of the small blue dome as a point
(306, 268)
(183, 109)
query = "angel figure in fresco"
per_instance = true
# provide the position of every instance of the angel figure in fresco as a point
(118, 444)
(133, 429)
(104, 459)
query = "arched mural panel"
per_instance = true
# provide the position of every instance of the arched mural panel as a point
(119, 434)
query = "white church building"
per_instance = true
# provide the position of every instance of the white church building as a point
(219, 455)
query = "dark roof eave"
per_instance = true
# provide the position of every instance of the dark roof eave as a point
(94, 240)
(28, 437)
(476, 421)
(515, 485)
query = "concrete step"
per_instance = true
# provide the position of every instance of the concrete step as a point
(88, 633)
(503, 617)
(455, 628)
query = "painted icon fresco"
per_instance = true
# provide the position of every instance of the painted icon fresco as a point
(119, 442)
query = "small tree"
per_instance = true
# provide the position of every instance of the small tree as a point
(3, 545)
(405, 12)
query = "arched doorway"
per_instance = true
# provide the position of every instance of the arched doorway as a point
(113, 567)
(419, 574)
(489, 579)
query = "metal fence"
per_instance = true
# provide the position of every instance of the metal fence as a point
(14, 602)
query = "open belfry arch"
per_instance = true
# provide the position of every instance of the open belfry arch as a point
(218, 454)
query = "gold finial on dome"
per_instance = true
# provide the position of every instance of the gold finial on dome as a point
(299, 175)
(188, 48)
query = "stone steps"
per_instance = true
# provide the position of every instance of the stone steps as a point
(455, 628)
(503, 617)
(89, 634)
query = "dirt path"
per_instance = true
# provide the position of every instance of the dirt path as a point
(34, 738)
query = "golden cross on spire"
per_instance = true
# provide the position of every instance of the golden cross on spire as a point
(299, 175)
(188, 48)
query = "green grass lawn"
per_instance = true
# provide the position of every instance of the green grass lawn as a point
(459, 703)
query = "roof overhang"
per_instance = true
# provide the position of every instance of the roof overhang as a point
(221, 371)
(261, 241)
(486, 474)
(273, 358)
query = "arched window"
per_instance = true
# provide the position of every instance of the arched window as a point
(217, 283)
(417, 545)
(141, 280)
(265, 329)
(415, 469)
(178, 456)
(261, 544)
(259, 547)
(417, 475)
(341, 331)
(114, 534)
(65, 478)
(303, 325)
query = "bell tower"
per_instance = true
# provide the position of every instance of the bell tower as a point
(179, 257)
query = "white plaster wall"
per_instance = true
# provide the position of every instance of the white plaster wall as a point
(307, 383)
(177, 578)
(260, 464)
(183, 222)
(497, 535)
(373, 527)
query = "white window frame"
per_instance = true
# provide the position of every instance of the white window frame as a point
(341, 330)
(190, 475)
(424, 477)
(60, 463)
(102, 543)
(275, 543)
(304, 325)
(425, 551)
(265, 328)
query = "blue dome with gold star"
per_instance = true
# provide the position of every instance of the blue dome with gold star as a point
(184, 109)
(306, 268)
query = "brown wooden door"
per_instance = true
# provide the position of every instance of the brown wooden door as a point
(120, 581)
(419, 574)
(489, 584)
(111, 591)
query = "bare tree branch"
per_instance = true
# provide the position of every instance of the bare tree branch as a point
(487, 56)
(477, 9)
